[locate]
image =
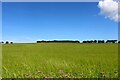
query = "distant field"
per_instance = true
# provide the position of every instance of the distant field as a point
(58, 60)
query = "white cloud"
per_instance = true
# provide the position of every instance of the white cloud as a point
(109, 8)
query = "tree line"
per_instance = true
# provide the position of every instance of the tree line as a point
(88, 41)
(7, 42)
(70, 41)
(58, 41)
(101, 41)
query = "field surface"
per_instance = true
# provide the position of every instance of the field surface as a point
(58, 60)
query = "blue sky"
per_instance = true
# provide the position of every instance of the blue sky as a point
(30, 21)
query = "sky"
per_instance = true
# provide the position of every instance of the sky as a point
(0, 21)
(32, 21)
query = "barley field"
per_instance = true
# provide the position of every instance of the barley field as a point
(59, 60)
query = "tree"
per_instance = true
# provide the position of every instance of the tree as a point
(111, 41)
(101, 41)
(2, 42)
(7, 42)
(118, 41)
(95, 41)
(84, 42)
(11, 42)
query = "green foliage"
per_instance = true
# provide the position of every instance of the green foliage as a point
(60, 60)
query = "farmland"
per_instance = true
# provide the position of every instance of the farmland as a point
(59, 60)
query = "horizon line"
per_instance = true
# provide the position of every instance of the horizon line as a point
(55, 40)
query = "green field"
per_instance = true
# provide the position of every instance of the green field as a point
(58, 60)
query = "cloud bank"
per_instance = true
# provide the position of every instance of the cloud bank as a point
(109, 8)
